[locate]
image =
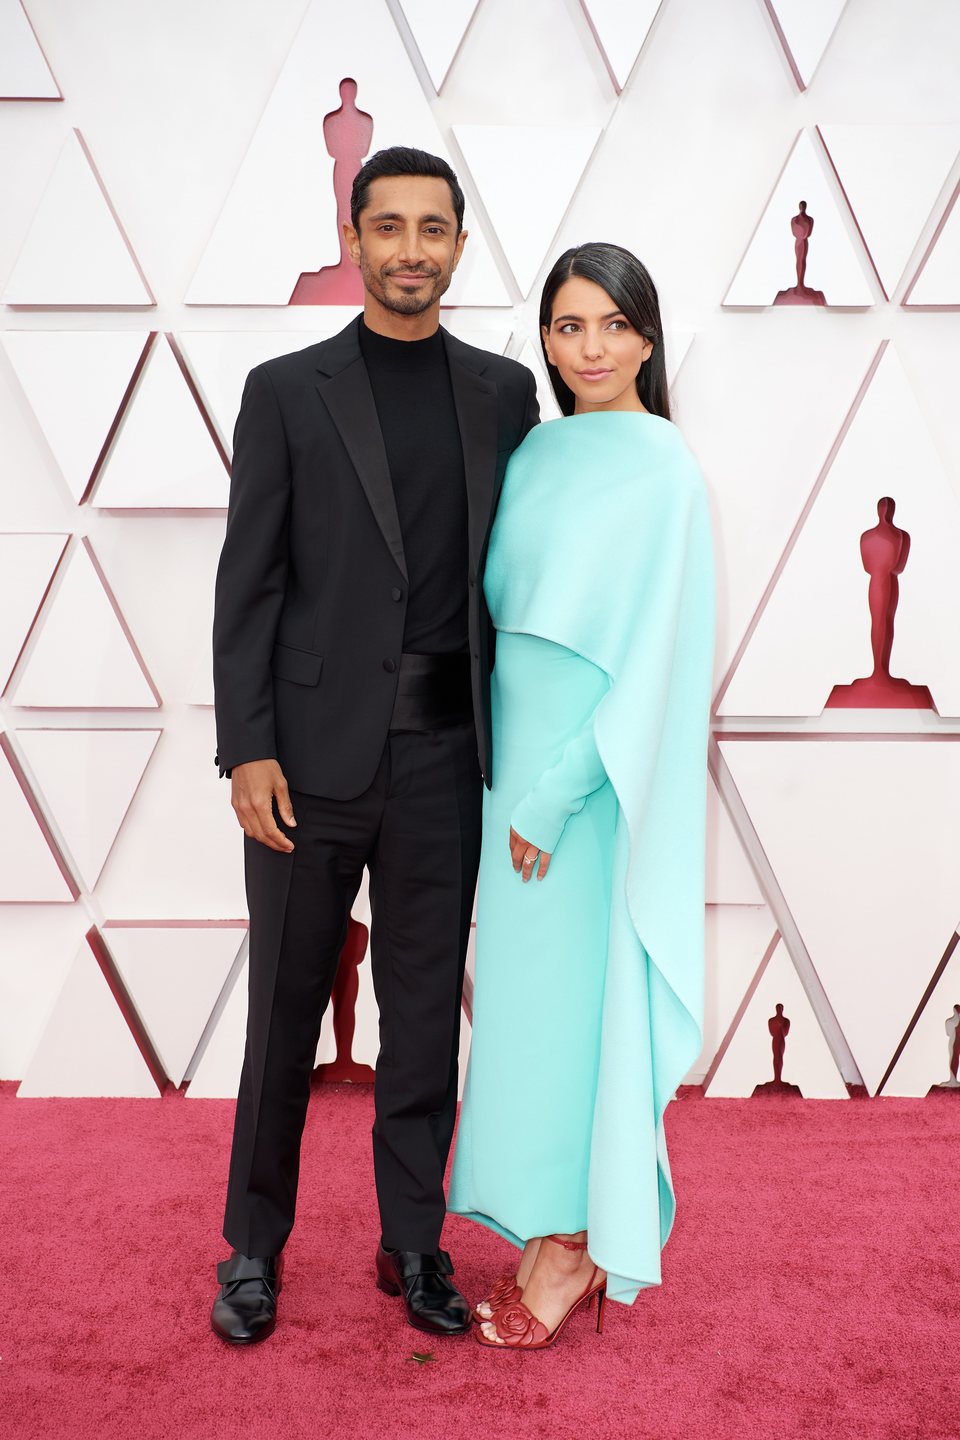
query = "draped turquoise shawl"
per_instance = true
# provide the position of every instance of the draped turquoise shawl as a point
(602, 544)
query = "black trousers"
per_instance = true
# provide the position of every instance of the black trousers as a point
(418, 830)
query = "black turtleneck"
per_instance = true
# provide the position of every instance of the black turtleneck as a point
(414, 399)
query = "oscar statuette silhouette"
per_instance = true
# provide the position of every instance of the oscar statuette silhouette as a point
(344, 999)
(800, 294)
(348, 133)
(779, 1027)
(884, 551)
(952, 1027)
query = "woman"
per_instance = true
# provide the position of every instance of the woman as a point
(589, 969)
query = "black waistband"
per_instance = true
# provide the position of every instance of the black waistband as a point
(433, 691)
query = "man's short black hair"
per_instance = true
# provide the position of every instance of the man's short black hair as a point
(402, 160)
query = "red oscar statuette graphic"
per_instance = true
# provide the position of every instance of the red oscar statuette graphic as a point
(344, 997)
(779, 1027)
(884, 551)
(347, 132)
(801, 294)
(952, 1027)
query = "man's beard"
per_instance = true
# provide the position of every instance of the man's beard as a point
(405, 302)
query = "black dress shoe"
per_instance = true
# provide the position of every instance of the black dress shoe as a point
(433, 1303)
(246, 1308)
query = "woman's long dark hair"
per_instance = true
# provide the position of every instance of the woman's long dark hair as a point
(629, 286)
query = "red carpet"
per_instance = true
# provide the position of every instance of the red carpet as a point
(810, 1290)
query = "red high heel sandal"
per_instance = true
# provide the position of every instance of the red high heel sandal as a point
(519, 1329)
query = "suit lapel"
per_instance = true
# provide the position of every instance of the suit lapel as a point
(344, 385)
(475, 399)
(345, 388)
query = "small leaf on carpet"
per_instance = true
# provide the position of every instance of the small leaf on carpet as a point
(422, 1357)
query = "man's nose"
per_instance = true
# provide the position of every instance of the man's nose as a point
(411, 246)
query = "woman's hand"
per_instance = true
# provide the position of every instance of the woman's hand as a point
(524, 855)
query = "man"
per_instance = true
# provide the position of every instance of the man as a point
(352, 651)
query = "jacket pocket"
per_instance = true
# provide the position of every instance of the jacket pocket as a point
(300, 666)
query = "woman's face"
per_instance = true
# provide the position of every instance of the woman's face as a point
(595, 348)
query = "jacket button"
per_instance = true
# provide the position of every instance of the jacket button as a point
(397, 593)
(389, 666)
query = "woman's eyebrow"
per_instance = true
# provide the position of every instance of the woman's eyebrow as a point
(611, 316)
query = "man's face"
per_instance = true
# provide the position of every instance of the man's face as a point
(407, 246)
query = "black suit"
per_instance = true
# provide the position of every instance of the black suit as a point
(309, 619)
(312, 579)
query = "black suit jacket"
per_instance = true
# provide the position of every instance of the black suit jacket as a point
(311, 588)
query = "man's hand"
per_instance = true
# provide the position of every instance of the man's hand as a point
(253, 788)
(524, 855)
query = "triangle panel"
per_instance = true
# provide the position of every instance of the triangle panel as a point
(476, 280)
(438, 31)
(29, 870)
(835, 267)
(561, 155)
(749, 1058)
(737, 937)
(891, 176)
(27, 565)
(163, 575)
(549, 409)
(163, 455)
(620, 31)
(936, 285)
(801, 394)
(216, 1075)
(80, 657)
(804, 28)
(87, 779)
(181, 811)
(37, 946)
(815, 631)
(76, 382)
(926, 1061)
(174, 976)
(24, 72)
(76, 254)
(86, 1047)
(487, 332)
(220, 360)
(730, 878)
(676, 344)
(931, 359)
(853, 831)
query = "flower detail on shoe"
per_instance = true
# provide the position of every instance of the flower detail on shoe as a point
(518, 1326)
(506, 1288)
(502, 1292)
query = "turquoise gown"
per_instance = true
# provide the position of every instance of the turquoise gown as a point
(588, 987)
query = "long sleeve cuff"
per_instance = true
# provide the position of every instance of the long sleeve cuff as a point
(537, 823)
(560, 792)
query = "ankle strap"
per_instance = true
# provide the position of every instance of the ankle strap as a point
(567, 1244)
